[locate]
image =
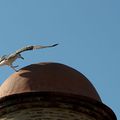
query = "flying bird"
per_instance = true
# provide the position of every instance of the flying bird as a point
(9, 59)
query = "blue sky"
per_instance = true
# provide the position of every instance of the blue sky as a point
(87, 31)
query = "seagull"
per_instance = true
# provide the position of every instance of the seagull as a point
(9, 59)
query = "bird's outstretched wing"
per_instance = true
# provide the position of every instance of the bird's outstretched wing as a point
(31, 48)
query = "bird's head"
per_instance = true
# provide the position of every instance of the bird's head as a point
(19, 56)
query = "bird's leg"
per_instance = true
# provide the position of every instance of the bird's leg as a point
(13, 68)
(20, 56)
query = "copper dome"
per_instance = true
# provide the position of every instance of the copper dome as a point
(44, 77)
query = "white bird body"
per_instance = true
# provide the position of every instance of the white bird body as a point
(8, 60)
(2, 63)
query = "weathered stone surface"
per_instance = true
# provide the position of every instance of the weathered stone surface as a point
(46, 114)
(52, 106)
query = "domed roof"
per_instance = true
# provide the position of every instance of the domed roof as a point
(52, 77)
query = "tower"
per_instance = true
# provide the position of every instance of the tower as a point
(51, 91)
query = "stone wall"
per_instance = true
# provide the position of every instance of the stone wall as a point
(52, 106)
(45, 114)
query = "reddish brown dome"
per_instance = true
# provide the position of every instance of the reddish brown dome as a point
(44, 77)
